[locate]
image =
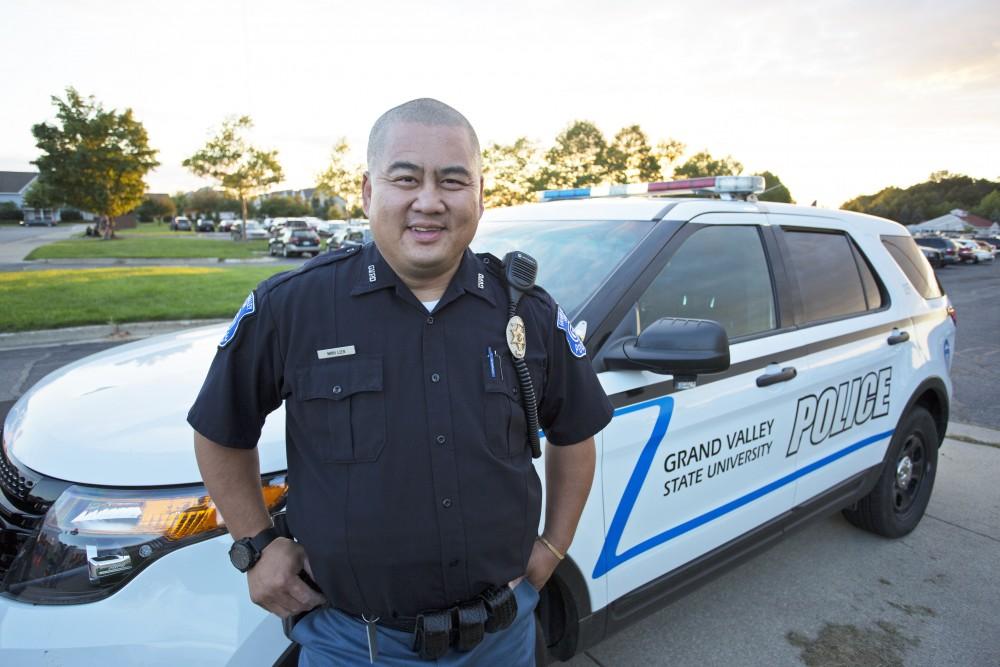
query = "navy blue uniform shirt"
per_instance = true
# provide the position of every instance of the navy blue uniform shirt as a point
(411, 484)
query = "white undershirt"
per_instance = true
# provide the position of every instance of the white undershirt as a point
(429, 305)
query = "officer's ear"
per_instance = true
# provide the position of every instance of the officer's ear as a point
(482, 203)
(366, 193)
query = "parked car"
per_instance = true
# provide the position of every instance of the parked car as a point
(807, 372)
(353, 237)
(181, 224)
(993, 241)
(947, 246)
(294, 242)
(204, 225)
(254, 230)
(974, 253)
(987, 247)
(226, 225)
(934, 256)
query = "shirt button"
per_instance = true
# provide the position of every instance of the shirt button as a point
(337, 389)
(440, 439)
(435, 377)
(430, 320)
(446, 502)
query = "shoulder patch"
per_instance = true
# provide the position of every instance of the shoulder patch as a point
(248, 308)
(576, 346)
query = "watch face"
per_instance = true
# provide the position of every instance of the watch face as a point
(240, 555)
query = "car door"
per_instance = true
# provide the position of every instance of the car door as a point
(686, 471)
(849, 386)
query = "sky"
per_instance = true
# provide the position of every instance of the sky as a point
(838, 98)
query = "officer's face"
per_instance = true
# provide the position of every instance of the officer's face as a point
(424, 198)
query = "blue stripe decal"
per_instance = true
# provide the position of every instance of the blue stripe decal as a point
(610, 559)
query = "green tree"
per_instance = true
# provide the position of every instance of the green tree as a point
(283, 206)
(342, 180)
(774, 189)
(667, 153)
(92, 159)
(41, 195)
(180, 200)
(10, 211)
(578, 158)
(510, 172)
(937, 196)
(241, 169)
(204, 202)
(989, 206)
(703, 164)
(629, 158)
(156, 207)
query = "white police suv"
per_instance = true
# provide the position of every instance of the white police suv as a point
(767, 363)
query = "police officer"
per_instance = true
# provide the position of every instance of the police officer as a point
(413, 501)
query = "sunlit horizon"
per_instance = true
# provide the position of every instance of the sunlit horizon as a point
(838, 100)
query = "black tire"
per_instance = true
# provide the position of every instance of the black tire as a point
(897, 503)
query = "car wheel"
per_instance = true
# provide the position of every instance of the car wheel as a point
(897, 503)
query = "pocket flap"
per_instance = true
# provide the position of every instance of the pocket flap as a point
(338, 379)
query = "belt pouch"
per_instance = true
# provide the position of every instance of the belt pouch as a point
(501, 608)
(432, 634)
(471, 621)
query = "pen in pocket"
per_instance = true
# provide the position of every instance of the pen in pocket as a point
(489, 355)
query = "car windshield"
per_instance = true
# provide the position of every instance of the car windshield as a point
(253, 225)
(302, 235)
(574, 257)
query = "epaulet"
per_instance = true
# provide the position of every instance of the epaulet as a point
(316, 262)
(493, 263)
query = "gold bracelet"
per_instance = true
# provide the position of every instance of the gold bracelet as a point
(554, 551)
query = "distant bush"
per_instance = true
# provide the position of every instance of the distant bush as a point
(70, 215)
(10, 211)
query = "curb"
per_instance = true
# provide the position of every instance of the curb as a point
(100, 333)
(976, 435)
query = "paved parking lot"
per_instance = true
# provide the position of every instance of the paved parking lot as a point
(830, 594)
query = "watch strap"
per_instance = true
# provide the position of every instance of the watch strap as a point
(262, 539)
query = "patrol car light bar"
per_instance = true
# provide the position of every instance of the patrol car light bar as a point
(727, 187)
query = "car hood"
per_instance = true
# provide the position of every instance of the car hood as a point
(119, 417)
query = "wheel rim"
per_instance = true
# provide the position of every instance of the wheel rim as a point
(912, 467)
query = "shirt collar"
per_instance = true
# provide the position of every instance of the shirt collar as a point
(374, 273)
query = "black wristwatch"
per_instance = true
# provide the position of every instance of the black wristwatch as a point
(245, 553)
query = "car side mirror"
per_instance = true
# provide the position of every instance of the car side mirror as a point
(680, 347)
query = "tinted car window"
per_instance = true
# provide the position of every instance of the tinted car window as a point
(913, 263)
(827, 275)
(574, 257)
(719, 273)
(302, 234)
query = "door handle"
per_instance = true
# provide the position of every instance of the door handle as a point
(784, 375)
(898, 337)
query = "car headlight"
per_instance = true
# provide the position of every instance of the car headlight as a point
(94, 540)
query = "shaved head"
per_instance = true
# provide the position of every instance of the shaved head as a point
(423, 111)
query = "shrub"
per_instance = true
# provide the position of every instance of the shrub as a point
(10, 211)
(70, 215)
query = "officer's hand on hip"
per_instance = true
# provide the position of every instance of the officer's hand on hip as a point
(541, 564)
(274, 581)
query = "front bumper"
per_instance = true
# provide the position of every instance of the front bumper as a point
(190, 607)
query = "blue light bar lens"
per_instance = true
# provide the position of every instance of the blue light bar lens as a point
(573, 193)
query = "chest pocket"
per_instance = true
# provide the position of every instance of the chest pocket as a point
(504, 420)
(341, 402)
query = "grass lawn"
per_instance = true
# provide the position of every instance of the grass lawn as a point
(150, 246)
(71, 297)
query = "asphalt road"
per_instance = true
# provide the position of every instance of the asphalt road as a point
(17, 241)
(974, 290)
(830, 595)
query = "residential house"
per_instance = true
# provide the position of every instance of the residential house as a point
(958, 221)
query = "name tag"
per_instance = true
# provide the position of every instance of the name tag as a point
(335, 352)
